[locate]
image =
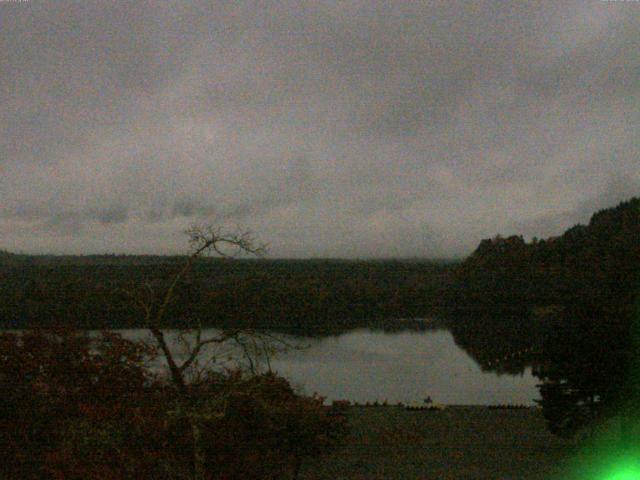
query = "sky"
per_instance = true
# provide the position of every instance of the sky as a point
(330, 129)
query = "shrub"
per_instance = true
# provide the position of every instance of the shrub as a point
(76, 407)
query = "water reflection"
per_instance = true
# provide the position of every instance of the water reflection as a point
(403, 366)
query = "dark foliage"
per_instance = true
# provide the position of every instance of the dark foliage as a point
(305, 297)
(75, 407)
(566, 301)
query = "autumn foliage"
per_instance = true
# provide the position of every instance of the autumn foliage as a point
(79, 407)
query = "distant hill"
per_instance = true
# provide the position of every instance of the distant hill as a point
(305, 296)
(598, 262)
(8, 258)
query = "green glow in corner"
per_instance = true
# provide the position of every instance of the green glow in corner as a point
(623, 466)
(625, 471)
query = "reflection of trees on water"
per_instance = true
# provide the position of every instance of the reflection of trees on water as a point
(345, 325)
(588, 372)
(579, 295)
(500, 342)
(504, 342)
(583, 354)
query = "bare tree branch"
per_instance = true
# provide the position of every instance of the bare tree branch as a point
(203, 240)
(195, 351)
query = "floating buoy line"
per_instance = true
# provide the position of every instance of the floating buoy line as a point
(499, 361)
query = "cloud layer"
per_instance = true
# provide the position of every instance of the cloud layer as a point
(368, 129)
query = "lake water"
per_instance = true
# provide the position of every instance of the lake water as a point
(365, 366)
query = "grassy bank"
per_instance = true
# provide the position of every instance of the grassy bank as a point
(457, 443)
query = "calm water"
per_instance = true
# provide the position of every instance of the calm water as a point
(365, 366)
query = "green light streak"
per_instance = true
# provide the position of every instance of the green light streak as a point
(607, 456)
(625, 471)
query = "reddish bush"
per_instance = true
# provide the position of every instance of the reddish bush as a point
(75, 407)
(71, 405)
(267, 429)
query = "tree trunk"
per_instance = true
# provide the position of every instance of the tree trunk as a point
(297, 463)
(199, 457)
(176, 374)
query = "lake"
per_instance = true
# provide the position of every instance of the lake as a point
(407, 366)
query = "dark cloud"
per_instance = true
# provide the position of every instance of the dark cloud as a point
(112, 215)
(360, 129)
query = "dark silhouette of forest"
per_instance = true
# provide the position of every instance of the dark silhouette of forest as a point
(567, 305)
(305, 297)
(598, 261)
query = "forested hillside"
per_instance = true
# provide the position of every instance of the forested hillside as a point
(567, 305)
(302, 296)
(599, 262)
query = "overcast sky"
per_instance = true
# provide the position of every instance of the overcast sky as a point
(334, 129)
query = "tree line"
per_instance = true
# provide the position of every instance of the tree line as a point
(306, 297)
(571, 303)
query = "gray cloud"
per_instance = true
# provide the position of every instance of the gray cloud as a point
(112, 215)
(360, 129)
(616, 191)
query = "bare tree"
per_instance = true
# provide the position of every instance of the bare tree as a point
(154, 307)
